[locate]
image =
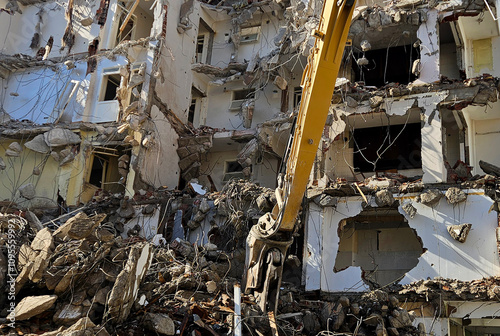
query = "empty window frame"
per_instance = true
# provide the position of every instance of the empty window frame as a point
(110, 83)
(387, 148)
(239, 97)
(390, 65)
(232, 170)
(204, 43)
(250, 34)
(200, 46)
(192, 110)
(297, 96)
(103, 172)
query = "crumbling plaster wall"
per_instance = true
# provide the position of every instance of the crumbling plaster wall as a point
(268, 96)
(476, 258)
(428, 34)
(174, 79)
(223, 47)
(159, 164)
(19, 171)
(36, 93)
(16, 31)
(267, 106)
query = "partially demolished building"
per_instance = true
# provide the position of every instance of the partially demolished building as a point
(131, 100)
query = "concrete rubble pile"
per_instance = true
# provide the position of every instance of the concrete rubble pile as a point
(91, 272)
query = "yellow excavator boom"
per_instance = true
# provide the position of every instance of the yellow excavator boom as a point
(269, 240)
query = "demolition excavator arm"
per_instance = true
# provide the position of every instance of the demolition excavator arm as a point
(269, 240)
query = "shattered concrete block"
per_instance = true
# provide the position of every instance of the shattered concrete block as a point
(211, 286)
(325, 200)
(280, 82)
(160, 323)
(362, 61)
(38, 144)
(311, 323)
(374, 19)
(126, 209)
(33, 305)
(55, 156)
(125, 289)
(79, 226)
(455, 195)
(61, 137)
(68, 314)
(392, 331)
(280, 36)
(27, 191)
(376, 101)
(43, 245)
(410, 210)
(33, 221)
(351, 102)
(384, 198)
(11, 153)
(380, 330)
(365, 45)
(101, 295)
(82, 324)
(430, 197)
(16, 147)
(459, 232)
(204, 206)
(385, 18)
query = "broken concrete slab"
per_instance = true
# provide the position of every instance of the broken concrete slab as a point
(38, 144)
(61, 137)
(16, 147)
(454, 195)
(459, 232)
(80, 226)
(27, 191)
(125, 289)
(42, 245)
(68, 314)
(33, 305)
(33, 221)
(82, 324)
(324, 200)
(160, 323)
(489, 168)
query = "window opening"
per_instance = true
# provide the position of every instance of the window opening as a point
(449, 55)
(200, 45)
(192, 109)
(250, 34)
(391, 65)
(240, 96)
(297, 96)
(98, 171)
(112, 83)
(387, 147)
(233, 169)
